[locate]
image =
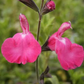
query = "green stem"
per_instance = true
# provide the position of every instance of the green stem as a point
(42, 4)
(39, 24)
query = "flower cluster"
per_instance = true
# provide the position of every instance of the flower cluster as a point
(23, 47)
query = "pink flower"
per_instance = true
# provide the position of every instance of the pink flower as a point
(22, 47)
(70, 55)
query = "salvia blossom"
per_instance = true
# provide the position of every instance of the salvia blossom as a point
(48, 7)
(70, 55)
(22, 47)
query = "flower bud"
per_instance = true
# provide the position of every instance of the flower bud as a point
(51, 5)
(48, 7)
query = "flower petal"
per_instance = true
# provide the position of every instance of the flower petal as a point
(51, 43)
(10, 50)
(78, 51)
(65, 26)
(24, 23)
(70, 55)
(22, 48)
(62, 45)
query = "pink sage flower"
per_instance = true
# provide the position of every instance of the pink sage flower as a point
(69, 54)
(22, 47)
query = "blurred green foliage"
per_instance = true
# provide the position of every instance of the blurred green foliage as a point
(66, 10)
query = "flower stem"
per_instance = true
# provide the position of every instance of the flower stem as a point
(42, 4)
(37, 73)
(39, 24)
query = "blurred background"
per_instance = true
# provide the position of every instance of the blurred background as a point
(66, 10)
